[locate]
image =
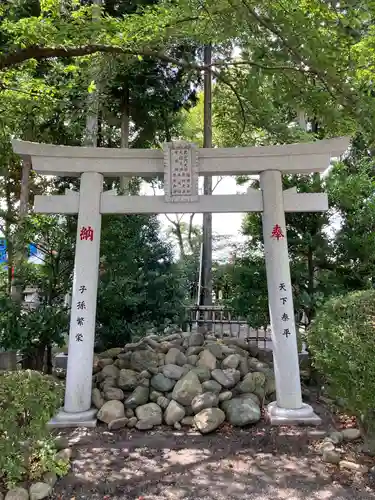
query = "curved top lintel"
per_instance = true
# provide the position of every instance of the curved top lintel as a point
(73, 160)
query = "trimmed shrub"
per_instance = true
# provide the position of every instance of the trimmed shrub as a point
(28, 400)
(342, 342)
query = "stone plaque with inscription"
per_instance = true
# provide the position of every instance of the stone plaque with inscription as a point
(180, 172)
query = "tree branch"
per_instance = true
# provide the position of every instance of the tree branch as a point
(325, 79)
(173, 222)
(190, 233)
(217, 183)
(40, 53)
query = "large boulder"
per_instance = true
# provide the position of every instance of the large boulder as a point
(157, 346)
(163, 402)
(97, 398)
(144, 425)
(231, 361)
(154, 395)
(247, 384)
(202, 373)
(109, 371)
(270, 386)
(203, 401)
(119, 423)
(209, 420)
(187, 388)
(161, 383)
(149, 413)
(111, 353)
(191, 351)
(207, 360)
(242, 410)
(174, 413)
(216, 350)
(104, 362)
(125, 358)
(127, 380)
(175, 357)
(121, 364)
(351, 434)
(174, 372)
(227, 378)
(224, 396)
(211, 386)
(243, 366)
(113, 393)
(193, 359)
(259, 379)
(196, 339)
(144, 360)
(107, 383)
(17, 494)
(38, 491)
(258, 366)
(138, 397)
(111, 410)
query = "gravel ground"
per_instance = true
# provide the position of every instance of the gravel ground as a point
(258, 463)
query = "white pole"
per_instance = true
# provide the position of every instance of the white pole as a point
(289, 406)
(77, 409)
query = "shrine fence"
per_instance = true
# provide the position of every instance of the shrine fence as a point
(223, 322)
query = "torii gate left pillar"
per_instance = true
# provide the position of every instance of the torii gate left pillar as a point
(180, 166)
(77, 410)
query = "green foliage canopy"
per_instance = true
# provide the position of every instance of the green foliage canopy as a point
(341, 340)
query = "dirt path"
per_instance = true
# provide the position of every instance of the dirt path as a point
(259, 463)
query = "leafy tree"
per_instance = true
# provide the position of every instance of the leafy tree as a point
(351, 187)
(246, 288)
(310, 249)
(140, 286)
(34, 332)
(314, 51)
(342, 342)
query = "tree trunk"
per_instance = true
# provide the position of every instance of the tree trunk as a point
(310, 285)
(190, 233)
(180, 240)
(21, 253)
(125, 125)
(206, 288)
(34, 359)
(49, 364)
(8, 236)
(91, 131)
(302, 119)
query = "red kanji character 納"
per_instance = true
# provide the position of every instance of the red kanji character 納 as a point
(277, 232)
(87, 233)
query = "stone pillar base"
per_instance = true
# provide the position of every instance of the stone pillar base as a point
(284, 416)
(80, 419)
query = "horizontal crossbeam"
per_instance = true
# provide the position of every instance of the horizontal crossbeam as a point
(228, 203)
(289, 158)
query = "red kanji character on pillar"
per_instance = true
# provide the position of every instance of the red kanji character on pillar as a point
(277, 232)
(87, 233)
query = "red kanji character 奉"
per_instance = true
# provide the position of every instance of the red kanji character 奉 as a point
(277, 232)
(87, 233)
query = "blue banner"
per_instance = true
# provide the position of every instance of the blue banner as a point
(3, 252)
(33, 250)
(34, 255)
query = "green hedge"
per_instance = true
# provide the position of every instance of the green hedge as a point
(28, 400)
(342, 343)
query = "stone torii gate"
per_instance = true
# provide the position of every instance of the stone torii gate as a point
(181, 163)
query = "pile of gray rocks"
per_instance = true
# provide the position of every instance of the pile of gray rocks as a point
(182, 379)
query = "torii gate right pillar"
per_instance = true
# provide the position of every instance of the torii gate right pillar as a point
(288, 408)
